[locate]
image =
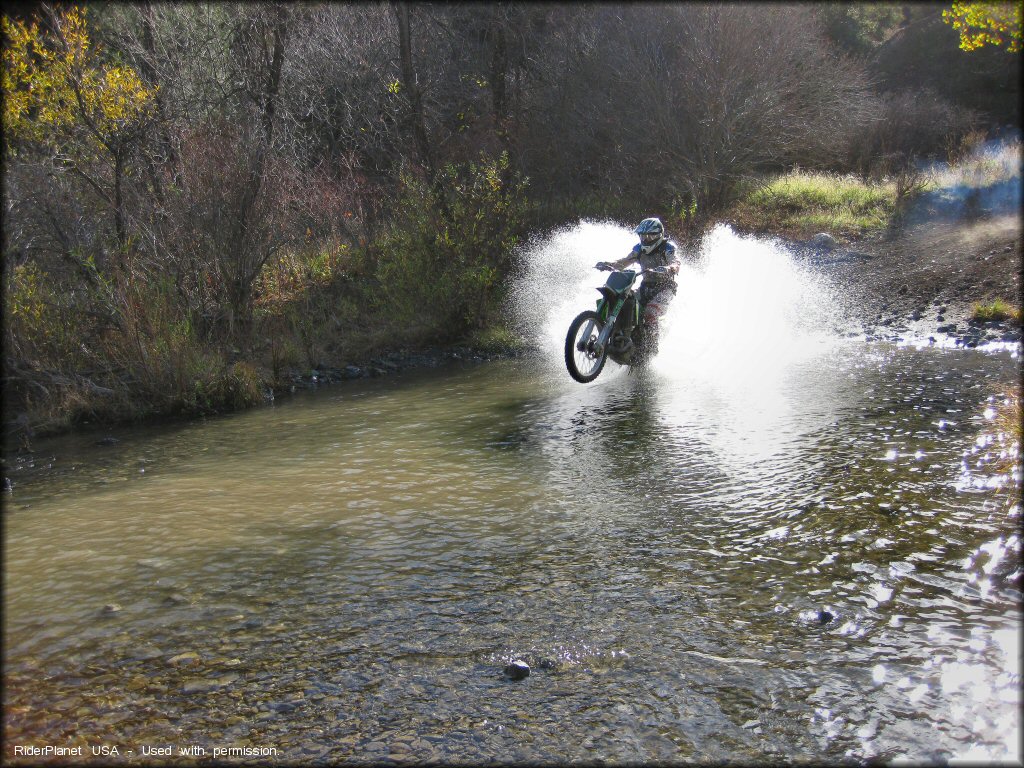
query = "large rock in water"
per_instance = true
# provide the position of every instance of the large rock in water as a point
(517, 670)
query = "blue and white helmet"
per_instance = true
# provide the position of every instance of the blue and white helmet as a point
(651, 232)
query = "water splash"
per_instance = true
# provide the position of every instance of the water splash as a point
(744, 304)
(558, 280)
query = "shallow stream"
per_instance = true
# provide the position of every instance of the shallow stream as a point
(800, 549)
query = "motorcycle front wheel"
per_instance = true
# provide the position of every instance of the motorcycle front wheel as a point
(581, 358)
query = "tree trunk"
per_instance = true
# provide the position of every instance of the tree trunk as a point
(411, 87)
(119, 228)
(149, 71)
(274, 75)
(499, 67)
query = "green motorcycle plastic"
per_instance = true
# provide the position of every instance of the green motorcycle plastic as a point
(612, 330)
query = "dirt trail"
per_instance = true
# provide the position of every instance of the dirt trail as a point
(925, 281)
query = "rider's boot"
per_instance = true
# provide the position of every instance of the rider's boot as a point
(651, 337)
(646, 345)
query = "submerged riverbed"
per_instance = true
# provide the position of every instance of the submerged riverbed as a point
(807, 561)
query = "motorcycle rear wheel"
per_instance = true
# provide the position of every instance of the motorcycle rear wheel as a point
(582, 360)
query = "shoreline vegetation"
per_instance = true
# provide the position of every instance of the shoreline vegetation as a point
(209, 205)
(304, 295)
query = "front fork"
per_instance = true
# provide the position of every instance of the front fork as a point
(602, 339)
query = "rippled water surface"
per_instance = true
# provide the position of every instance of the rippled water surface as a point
(808, 562)
(780, 544)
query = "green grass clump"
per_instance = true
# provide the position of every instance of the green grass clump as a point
(995, 311)
(799, 204)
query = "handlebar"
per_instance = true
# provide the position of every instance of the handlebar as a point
(604, 266)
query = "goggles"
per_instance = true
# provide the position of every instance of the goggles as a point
(648, 238)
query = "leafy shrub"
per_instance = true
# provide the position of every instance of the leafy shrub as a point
(496, 339)
(38, 323)
(450, 245)
(211, 386)
(295, 272)
(240, 387)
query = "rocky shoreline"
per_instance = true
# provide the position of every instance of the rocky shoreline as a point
(387, 364)
(920, 285)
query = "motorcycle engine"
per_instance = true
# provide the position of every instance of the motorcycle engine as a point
(621, 344)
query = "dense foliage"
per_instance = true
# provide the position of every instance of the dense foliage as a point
(983, 24)
(201, 196)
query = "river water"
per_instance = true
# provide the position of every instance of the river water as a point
(779, 544)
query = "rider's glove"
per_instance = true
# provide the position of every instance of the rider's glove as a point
(604, 266)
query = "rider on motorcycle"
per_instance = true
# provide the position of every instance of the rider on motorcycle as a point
(659, 260)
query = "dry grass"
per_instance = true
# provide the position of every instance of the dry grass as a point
(987, 164)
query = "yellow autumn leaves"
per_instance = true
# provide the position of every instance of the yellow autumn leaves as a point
(55, 82)
(981, 24)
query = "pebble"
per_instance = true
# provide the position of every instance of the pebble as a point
(201, 685)
(189, 657)
(517, 670)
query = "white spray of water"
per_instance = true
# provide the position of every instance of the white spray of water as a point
(744, 304)
(744, 349)
(559, 279)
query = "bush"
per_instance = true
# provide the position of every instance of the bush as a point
(240, 387)
(909, 125)
(443, 260)
(497, 339)
(39, 327)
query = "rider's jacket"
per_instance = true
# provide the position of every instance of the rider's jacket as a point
(666, 254)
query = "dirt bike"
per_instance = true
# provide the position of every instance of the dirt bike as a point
(614, 330)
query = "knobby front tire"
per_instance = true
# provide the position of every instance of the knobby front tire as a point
(583, 363)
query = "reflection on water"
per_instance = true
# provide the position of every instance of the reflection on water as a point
(812, 564)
